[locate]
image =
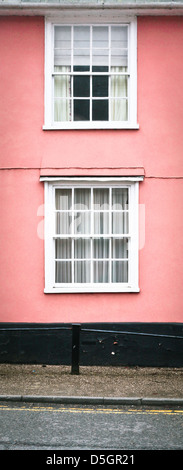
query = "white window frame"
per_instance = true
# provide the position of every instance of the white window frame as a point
(49, 123)
(49, 190)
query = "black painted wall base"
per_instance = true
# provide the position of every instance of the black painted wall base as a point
(52, 346)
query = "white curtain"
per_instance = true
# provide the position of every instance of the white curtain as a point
(73, 254)
(119, 94)
(101, 226)
(63, 247)
(62, 94)
(82, 225)
(120, 224)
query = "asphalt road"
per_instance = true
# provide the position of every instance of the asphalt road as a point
(56, 427)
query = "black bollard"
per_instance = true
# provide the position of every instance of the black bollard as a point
(75, 348)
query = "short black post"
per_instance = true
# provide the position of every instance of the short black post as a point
(75, 348)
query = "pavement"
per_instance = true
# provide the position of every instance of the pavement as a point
(94, 385)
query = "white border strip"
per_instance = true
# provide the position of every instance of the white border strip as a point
(91, 178)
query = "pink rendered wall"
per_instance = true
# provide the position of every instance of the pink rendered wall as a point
(27, 150)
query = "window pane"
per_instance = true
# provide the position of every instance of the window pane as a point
(120, 248)
(62, 45)
(81, 37)
(119, 37)
(82, 271)
(119, 198)
(101, 199)
(82, 198)
(119, 58)
(82, 222)
(63, 248)
(63, 223)
(82, 248)
(119, 110)
(99, 85)
(63, 271)
(63, 199)
(101, 248)
(62, 37)
(81, 110)
(101, 222)
(100, 37)
(82, 86)
(100, 57)
(119, 45)
(119, 85)
(81, 57)
(100, 45)
(62, 86)
(100, 271)
(119, 271)
(81, 68)
(120, 222)
(81, 45)
(62, 110)
(100, 110)
(62, 57)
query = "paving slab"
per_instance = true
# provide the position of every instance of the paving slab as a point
(99, 385)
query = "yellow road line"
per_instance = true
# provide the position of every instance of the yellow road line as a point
(89, 410)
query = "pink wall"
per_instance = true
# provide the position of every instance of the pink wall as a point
(27, 151)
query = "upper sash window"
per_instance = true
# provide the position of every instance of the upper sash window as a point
(91, 75)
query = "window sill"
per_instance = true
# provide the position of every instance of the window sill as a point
(91, 125)
(94, 289)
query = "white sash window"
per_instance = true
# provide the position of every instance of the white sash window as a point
(91, 235)
(90, 75)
